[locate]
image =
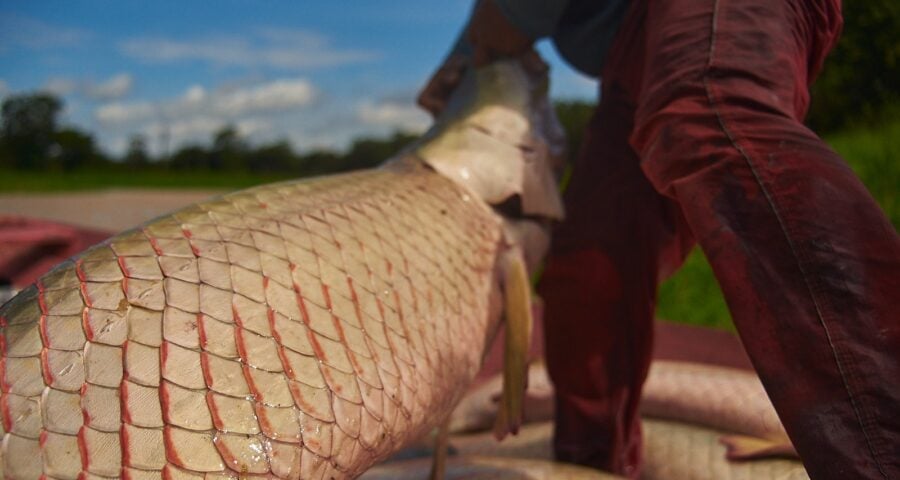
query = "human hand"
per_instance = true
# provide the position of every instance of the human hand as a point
(442, 83)
(491, 36)
(434, 96)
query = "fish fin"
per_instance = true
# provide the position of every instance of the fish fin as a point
(741, 447)
(517, 342)
(441, 446)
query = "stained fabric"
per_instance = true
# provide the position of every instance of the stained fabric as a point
(699, 135)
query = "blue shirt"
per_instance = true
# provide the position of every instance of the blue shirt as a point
(581, 30)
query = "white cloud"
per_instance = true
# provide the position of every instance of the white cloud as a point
(17, 31)
(115, 87)
(287, 36)
(4, 88)
(279, 48)
(60, 86)
(277, 96)
(194, 94)
(181, 130)
(112, 88)
(195, 128)
(116, 113)
(395, 115)
(261, 112)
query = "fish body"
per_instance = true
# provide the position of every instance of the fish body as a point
(726, 399)
(303, 329)
(487, 468)
(672, 450)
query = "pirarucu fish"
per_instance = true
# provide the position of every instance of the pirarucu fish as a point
(303, 329)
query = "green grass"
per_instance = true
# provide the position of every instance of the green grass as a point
(692, 294)
(874, 154)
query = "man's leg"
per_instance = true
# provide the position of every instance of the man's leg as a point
(808, 263)
(599, 289)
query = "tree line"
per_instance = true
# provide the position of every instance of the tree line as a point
(33, 139)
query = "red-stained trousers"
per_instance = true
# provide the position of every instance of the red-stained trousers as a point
(698, 137)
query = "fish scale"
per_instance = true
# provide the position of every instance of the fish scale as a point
(304, 328)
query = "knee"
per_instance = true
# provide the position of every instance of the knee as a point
(686, 131)
(676, 137)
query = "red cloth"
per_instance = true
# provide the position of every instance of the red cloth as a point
(698, 135)
(29, 247)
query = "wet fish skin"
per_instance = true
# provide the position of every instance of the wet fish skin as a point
(685, 451)
(730, 400)
(726, 399)
(672, 450)
(484, 467)
(304, 328)
(300, 329)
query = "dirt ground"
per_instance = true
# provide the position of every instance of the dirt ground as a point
(110, 210)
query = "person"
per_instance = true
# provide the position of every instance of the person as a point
(698, 137)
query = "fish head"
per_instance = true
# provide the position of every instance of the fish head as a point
(499, 138)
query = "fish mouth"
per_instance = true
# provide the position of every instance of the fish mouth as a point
(500, 138)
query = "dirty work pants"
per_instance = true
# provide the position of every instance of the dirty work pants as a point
(698, 137)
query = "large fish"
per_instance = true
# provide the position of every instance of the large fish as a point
(698, 419)
(479, 467)
(728, 400)
(725, 399)
(300, 329)
(673, 450)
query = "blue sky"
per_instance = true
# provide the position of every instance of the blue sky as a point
(316, 73)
